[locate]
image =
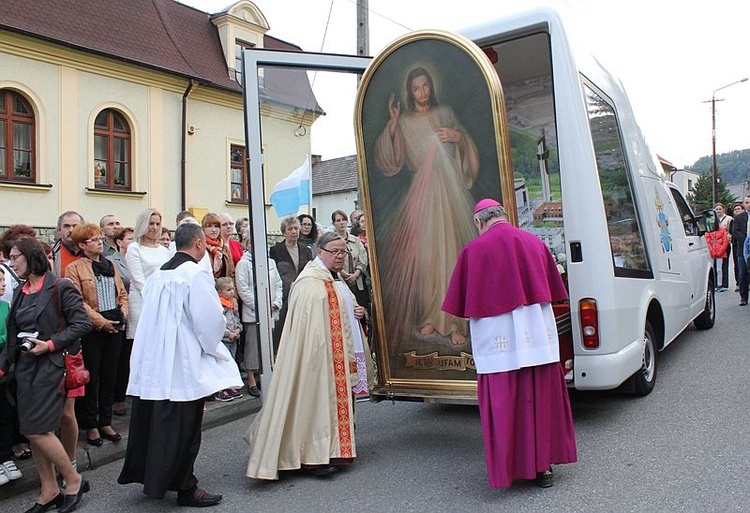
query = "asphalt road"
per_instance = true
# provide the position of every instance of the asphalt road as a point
(683, 448)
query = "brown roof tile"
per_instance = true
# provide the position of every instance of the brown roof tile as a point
(159, 34)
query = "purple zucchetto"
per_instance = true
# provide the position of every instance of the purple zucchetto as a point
(486, 203)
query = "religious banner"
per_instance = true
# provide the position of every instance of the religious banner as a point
(431, 140)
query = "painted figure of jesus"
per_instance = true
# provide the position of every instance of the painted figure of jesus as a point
(425, 233)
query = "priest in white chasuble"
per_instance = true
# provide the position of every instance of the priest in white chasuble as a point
(307, 420)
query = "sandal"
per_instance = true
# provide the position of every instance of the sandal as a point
(23, 454)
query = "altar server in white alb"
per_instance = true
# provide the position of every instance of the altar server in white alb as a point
(178, 359)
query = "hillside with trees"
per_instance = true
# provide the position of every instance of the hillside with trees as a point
(734, 166)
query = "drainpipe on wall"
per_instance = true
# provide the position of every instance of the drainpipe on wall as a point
(183, 162)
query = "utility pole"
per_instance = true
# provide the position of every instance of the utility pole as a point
(363, 50)
(363, 28)
(714, 169)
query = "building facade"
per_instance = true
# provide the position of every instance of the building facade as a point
(114, 107)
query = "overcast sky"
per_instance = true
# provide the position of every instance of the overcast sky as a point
(669, 54)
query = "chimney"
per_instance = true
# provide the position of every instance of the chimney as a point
(315, 159)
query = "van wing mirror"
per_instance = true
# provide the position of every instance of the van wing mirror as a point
(708, 221)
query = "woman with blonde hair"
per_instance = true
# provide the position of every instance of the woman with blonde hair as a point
(145, 255)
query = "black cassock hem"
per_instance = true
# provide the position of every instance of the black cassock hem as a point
(163, 443)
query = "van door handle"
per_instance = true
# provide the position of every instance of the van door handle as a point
(691, 243)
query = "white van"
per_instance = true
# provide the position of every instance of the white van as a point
(638, 269)
(585, 181)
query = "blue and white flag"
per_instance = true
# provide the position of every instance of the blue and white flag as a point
(292, 191)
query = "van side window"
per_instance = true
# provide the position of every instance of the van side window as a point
(688, 219)
(625, 237)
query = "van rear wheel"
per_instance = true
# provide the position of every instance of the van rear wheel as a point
(706, 319)
(645, 378)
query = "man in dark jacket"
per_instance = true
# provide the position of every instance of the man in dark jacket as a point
(739, 233)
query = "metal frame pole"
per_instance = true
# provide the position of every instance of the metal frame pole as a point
(252, 60)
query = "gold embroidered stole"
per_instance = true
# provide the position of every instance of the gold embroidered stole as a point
(341, 382)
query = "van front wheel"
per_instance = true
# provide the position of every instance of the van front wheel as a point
(706, 319)
(645, 378)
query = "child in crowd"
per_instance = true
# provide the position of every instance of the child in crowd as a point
(227, 296)
(8, 469)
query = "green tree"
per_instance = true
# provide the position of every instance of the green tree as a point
(702, 196)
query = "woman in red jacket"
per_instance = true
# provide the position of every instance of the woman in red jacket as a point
(718, 242)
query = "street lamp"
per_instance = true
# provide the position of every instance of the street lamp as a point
(713, 136)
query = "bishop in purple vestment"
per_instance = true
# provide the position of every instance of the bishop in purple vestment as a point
(504, 282)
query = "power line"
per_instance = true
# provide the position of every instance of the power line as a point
(383, 16)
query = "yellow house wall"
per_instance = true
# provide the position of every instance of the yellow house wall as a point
(39, 83)
(216, 128)
(68, 89)
(66, 102)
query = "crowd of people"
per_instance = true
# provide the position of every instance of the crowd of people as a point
(86, 294)
(731, 241)
(170, 319)
(124, 301)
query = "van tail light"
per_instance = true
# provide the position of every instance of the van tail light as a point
(589, 323)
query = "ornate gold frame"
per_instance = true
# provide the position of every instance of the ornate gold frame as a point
(395, 386)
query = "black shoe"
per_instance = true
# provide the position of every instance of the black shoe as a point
(254, 391)
(743, 302)
(54, 503)
(322, 471)
(198, 498)
(71, 502)
(544, 479)
(116, 437)
(96, 442)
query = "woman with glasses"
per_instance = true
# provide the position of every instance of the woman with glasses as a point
(291, 256)
(308, 230)
(106, 302)
(46, 319)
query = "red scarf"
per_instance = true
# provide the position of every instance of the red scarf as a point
(213, 246)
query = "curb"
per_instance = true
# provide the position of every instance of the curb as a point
(90, 458)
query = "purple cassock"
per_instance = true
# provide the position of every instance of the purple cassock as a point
(526, 419)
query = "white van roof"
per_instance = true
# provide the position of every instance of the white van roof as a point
(570, 59)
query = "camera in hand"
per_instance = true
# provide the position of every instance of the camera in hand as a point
(27, 345)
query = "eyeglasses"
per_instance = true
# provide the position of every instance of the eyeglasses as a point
(13, 258)
(334, 253)
(93, 239)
